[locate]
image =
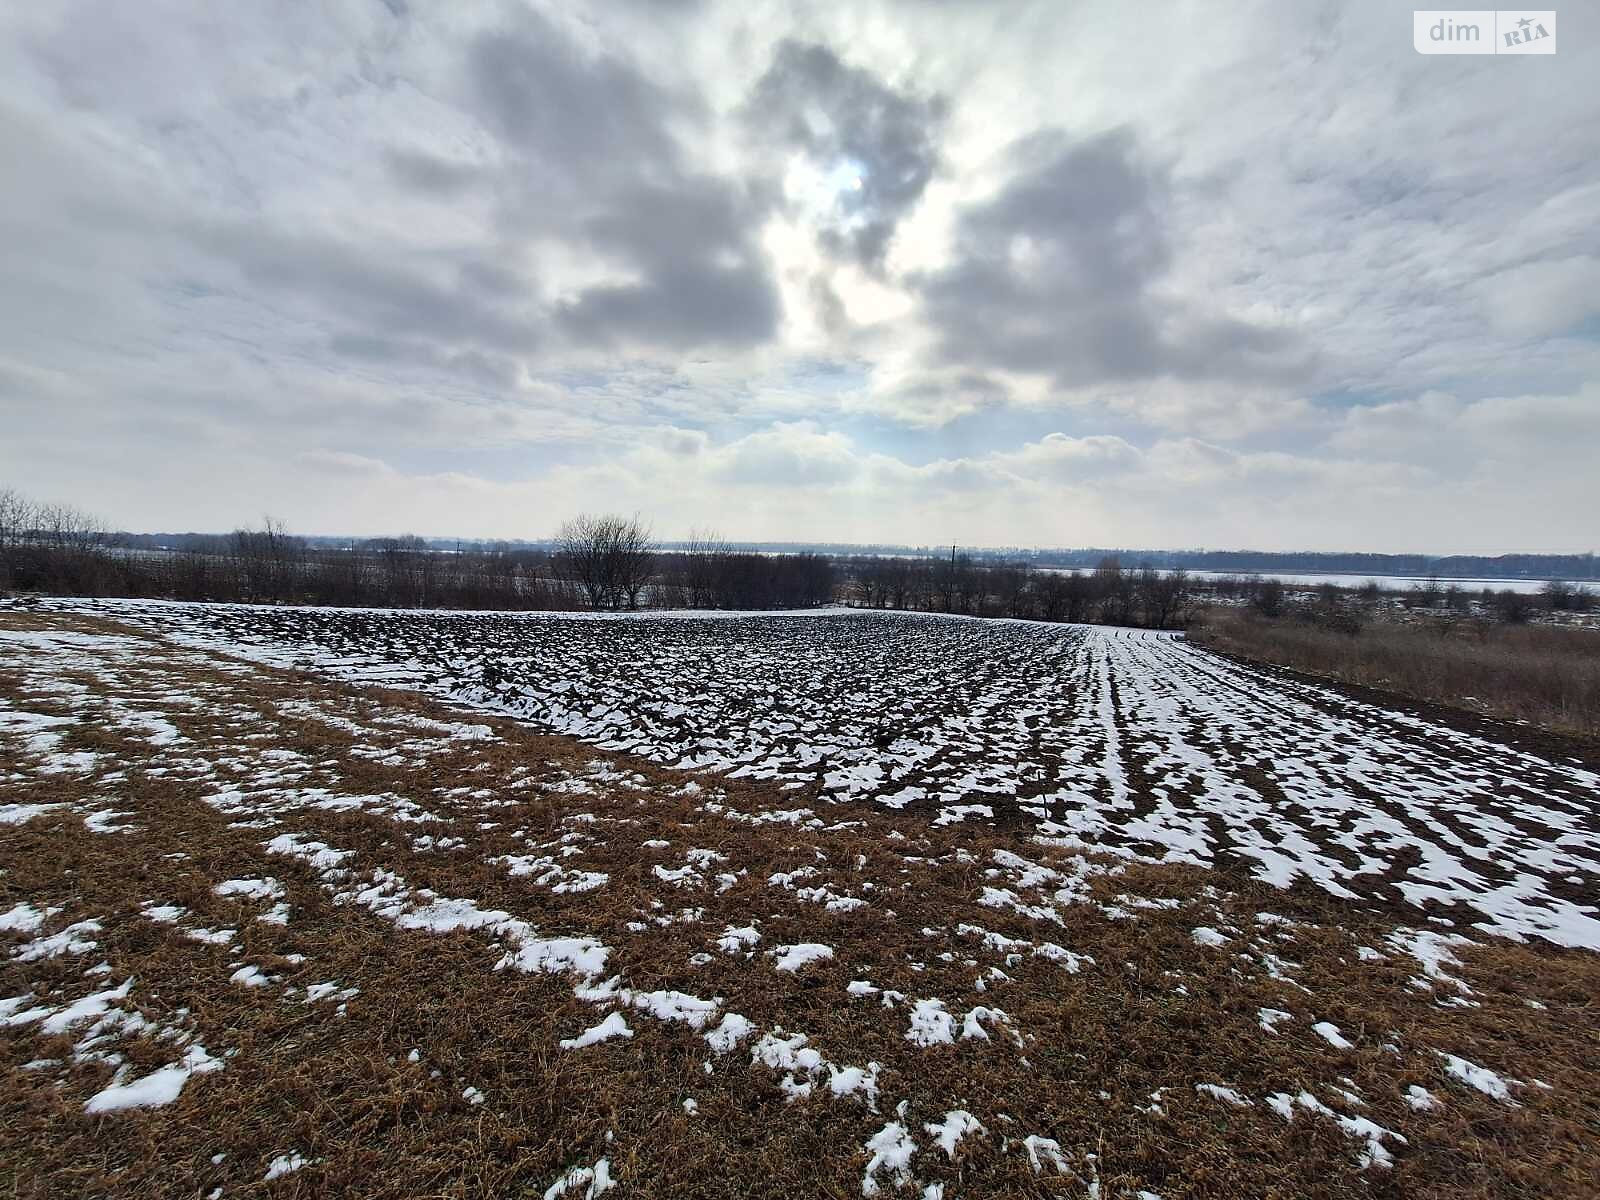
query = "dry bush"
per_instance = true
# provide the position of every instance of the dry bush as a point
(1547, 676)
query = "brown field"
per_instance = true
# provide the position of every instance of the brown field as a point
(433, 1065)
(1545, 675)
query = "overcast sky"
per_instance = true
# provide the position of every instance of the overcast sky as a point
(1253, 274)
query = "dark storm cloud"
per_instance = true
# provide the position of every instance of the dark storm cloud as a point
(705, 282)
(1058, 275)
(846, 118)
(431, 174)
(575, 118)
(594, 160)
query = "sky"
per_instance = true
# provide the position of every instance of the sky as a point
(1159, 275)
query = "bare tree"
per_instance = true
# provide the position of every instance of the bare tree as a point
(634, 557)
(268, 560)
(53, 547)
(1163, 597)
(16, 518)
(608, 558)
(704, 567)
(1116, 591)
(62, 527)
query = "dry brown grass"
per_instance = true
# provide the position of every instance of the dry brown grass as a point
(1546, 676)
(1155, 1011)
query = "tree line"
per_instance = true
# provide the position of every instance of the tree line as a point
(598, 562)
(613, 562)
(1110, 594)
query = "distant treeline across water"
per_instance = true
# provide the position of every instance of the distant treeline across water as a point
(1338, 566)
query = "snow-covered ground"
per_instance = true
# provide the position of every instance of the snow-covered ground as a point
(973, 1018)
(1114, 738)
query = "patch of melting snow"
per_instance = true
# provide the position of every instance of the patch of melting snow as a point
(1005, 898)
(250, 976)
(318, 855)
(863, 988)
(250, 889)
(20, 814)
(212, 937)
(1329, 1032)
(108, 1019)
(546, 872)
(726, 1037)
(692, 1011)
(74, 939)
(1045, 1152)
(891, 1149)
(24, 918)
(1226, 1094)
(35, 727)
(81, 762)
(931, 1024)
(803, 954)
(1374, 1152)
(318, 992)
(957, 1124)
(1420, 1098)
(105, 821)
(1271, 1018)
(592, 1181)
(1484, 1080)
(972, 1024)
(1433, 951)
(388, 896)
(160, 1087)
(733, 939)
(284, 1164)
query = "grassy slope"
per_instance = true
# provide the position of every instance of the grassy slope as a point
(1154, 1011)
(1546, 676)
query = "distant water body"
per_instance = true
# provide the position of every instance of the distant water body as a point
(1391, 583)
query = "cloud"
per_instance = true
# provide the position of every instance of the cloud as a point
(1535, 437)
(1074, 460)
(432, 174)
(872, 148)
(1058, 274)
(930, 398)
(796, 454)
(338, 462)
(1542, 298)
(595, 161)
(704, 283)
(466, 270)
